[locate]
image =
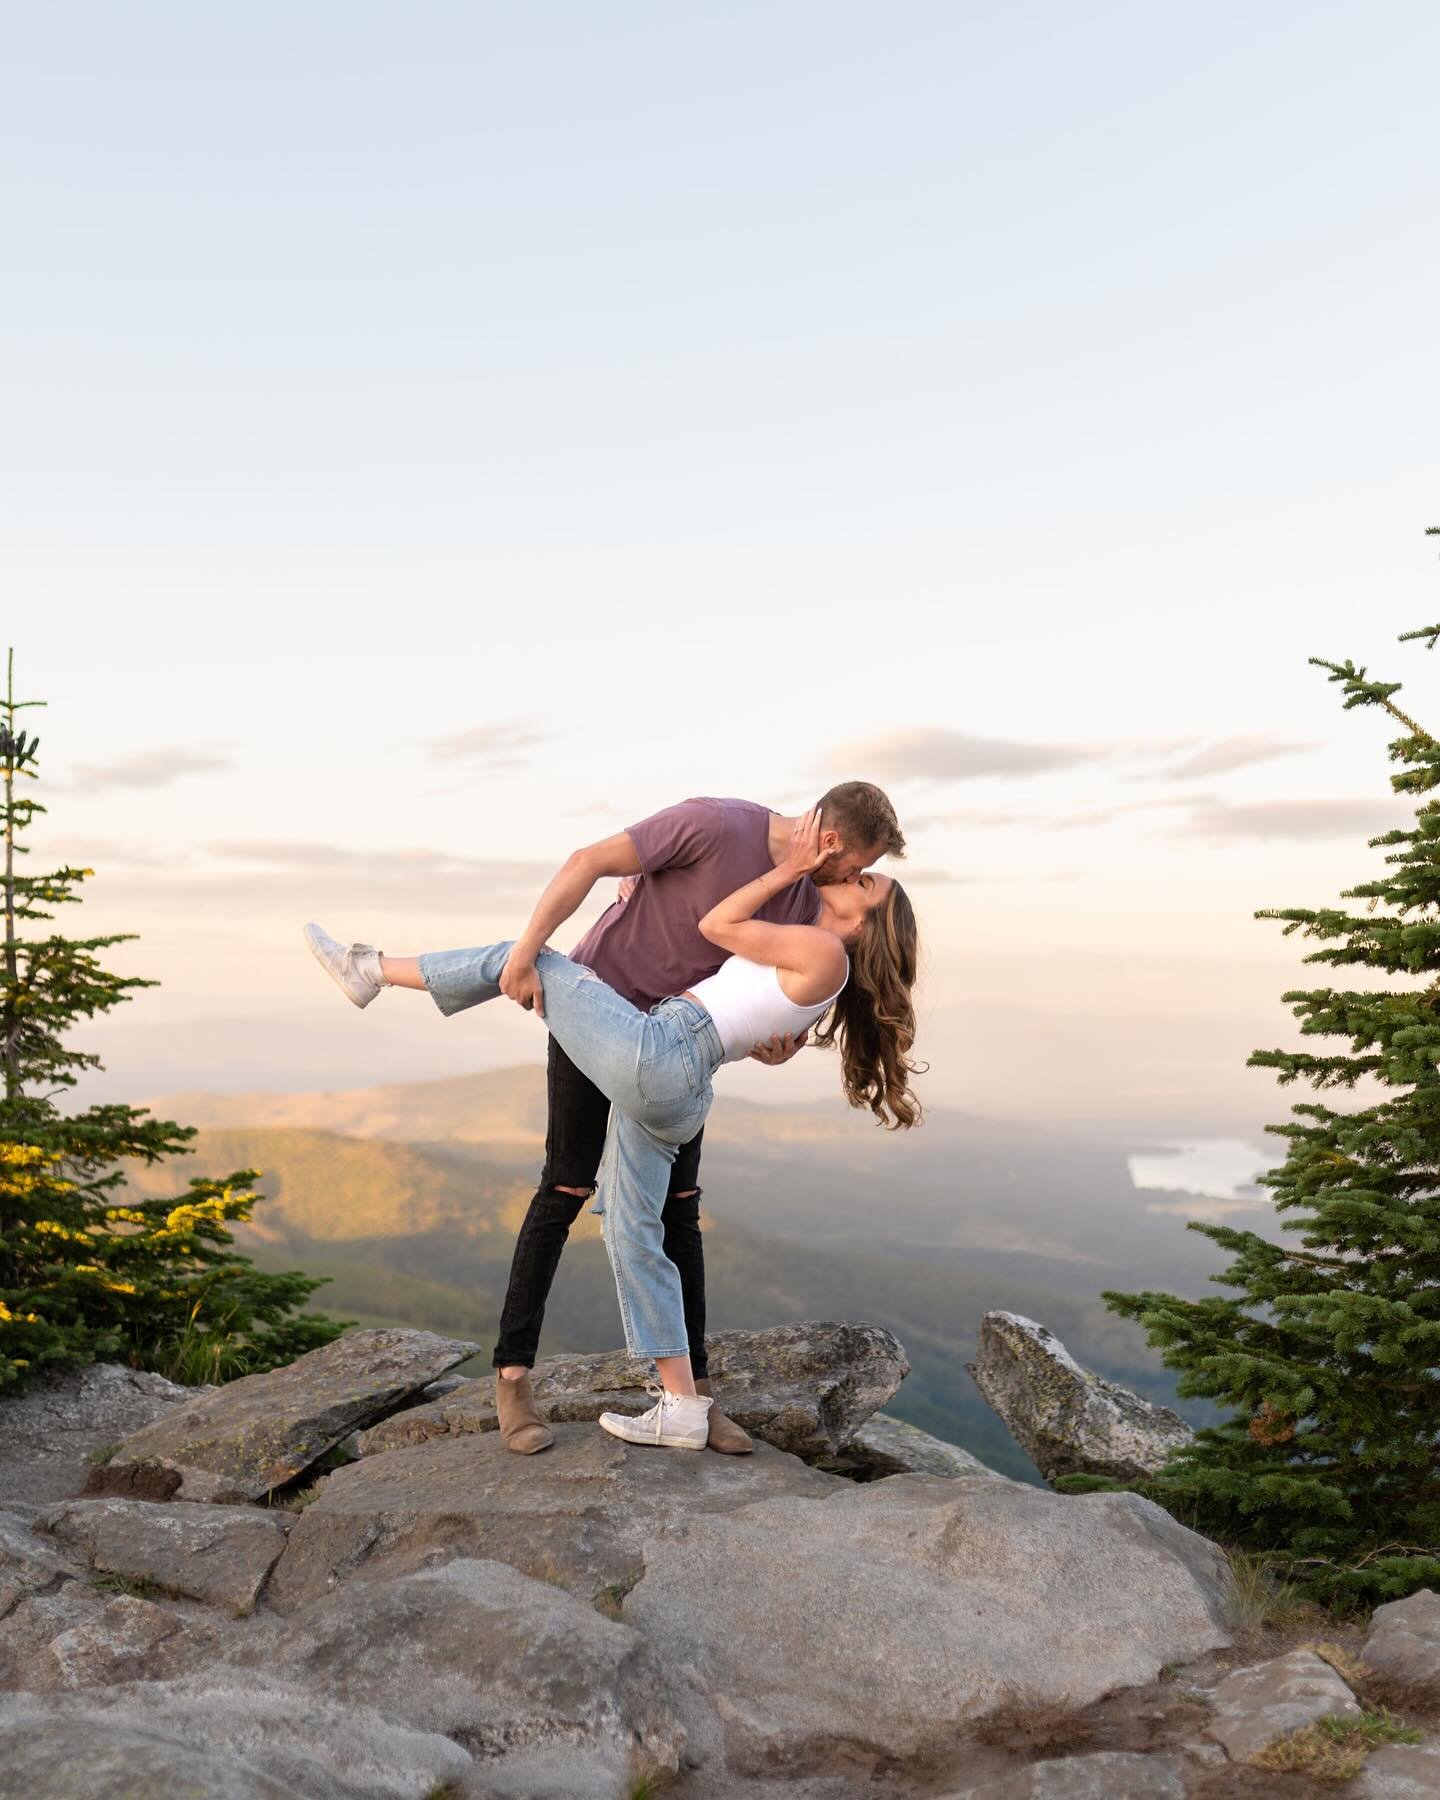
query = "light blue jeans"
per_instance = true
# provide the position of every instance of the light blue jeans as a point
(655, 1068)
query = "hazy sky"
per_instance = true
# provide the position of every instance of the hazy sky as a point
(437, 434)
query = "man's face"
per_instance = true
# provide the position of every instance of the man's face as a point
(840, 864)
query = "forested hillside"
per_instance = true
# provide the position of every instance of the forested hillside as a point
(407, 1199)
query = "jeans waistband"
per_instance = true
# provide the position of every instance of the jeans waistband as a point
(692, 1017)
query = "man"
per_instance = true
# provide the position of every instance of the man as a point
(681, 862)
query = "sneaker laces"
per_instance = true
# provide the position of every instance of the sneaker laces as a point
(665, 1402)
(656, 1414)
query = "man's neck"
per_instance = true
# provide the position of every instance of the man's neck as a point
(778, 841)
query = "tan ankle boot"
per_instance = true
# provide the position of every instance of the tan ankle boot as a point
(725, 1435)
(521, 1427)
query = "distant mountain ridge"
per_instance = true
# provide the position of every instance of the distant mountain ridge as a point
(407, 1197)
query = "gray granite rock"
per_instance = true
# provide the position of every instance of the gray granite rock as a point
(1255, 1705)
(219, 1554)
(1067, 1419)
(50, 1430)
(1398, 1772)
(235, 1735)
(558, 1774)
(500, 1662)
(1102, 1775)
(243, 1440)
(110, 1647)
(1404, 1639)
(82, 1636)
(44, 1757)
(803, 1388)
(887, 1446)
(578, 1515)
(884, 1617)
(29, 1564)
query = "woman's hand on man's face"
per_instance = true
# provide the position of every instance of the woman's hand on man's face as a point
(804, 854)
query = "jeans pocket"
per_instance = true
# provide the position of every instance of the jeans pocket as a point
(664, 1080)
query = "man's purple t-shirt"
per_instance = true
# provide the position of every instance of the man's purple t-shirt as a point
(692, 855)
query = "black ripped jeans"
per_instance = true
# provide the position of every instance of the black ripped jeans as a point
(578, 1117)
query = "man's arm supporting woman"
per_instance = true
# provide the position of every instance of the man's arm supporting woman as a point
(565, 894)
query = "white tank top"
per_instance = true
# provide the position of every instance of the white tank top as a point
(749, 1006)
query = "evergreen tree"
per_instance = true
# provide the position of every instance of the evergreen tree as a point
(86, 1271)
(1330, 1350)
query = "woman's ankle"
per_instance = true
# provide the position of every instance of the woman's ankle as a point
(676, 1376)
(401, 971)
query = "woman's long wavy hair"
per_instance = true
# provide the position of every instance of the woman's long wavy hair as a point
(873, 1020)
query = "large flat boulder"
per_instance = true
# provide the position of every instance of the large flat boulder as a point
(234, 1735)
(578, 1515)
(502, 1663)
(803, 1388)
(219, 1554)
(50, 1431)
(1255, 1705)
(1069, 1420)
(240, 1441)
(874, 1624)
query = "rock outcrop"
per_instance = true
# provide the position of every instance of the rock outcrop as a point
(241, 1441)
(931, 1599)
(1069, 1420)
(579, 1515)
(498, 1661)
(446, 1615)
(229, 1736)
(887, 1446)
(67, 1417)
(219, 1554)
(802, 1388)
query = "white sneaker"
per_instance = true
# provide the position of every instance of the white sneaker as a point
(675, 1421)
(355, 967)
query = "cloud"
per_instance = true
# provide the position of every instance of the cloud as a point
(908, 877)
(493, 745)
(930, 753)
(150, 769)
(265, 879)
(979, 816)
(1298, 821)
(1231, 753)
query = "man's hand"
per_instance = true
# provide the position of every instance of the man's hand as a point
(628, 885)
(780, 1049)
(520, 982)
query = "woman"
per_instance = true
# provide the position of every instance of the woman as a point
(656, 1067)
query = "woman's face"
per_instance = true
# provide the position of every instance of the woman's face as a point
(845, 904)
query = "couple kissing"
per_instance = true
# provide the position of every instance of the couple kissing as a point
(738, 933)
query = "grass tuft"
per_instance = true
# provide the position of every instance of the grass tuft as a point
(1334, 1749)
(98, 1457)
(135, 1587)
(1259, 1600)
(1371, 1728)
(1030, 1722)
(1312, 1752)
(647, 1785)
(302, 1497)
